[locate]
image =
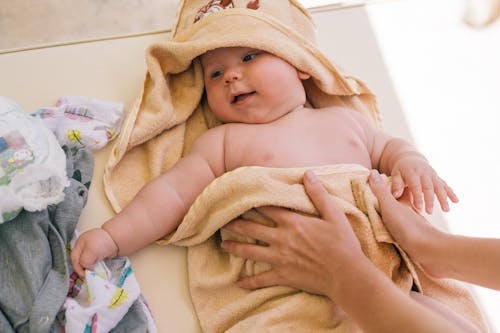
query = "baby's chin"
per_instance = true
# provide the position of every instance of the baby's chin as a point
(255, 118)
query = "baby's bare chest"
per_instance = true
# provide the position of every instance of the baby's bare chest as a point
(300, 146)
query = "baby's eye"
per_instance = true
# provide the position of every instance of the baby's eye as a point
(216, 74)
(249, 57)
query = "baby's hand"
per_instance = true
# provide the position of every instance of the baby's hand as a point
(93, 245)
(416, 173)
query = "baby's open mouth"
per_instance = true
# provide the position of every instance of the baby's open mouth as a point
(241, 97)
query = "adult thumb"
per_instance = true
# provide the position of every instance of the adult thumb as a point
(319, 197)
(380, 188)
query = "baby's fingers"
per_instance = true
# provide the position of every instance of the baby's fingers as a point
(398, 185)
(75, 261)
(87, 260)
(428, 192)
(443, 192)
(451, 194)
(415, 187)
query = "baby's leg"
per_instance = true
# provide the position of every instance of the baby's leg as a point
(444, 311)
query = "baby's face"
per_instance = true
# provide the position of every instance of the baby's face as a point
(246, 85)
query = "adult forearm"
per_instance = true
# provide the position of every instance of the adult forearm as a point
(472, 259)
(377, 305)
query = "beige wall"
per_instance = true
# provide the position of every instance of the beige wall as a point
(25, 23)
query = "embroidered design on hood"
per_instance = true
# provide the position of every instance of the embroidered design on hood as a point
(217, 5)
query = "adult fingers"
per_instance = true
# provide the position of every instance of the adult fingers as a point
(253, 230)
(320, 197)
(394, 212)
(266, 279)
(281, 215)
(381, 191)
(249, 251)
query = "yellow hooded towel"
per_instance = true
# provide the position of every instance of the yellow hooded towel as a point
(172, 111)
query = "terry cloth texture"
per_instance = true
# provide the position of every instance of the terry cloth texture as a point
(32, 163)
(172, 110)
(223, 307)
(34, 264)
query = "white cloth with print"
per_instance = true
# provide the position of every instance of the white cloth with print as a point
(100, 302)
(32, 163)
(83, 122)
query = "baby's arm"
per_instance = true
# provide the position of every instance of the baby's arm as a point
(408, 167)
(157, 209)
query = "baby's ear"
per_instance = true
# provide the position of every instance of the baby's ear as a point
(303, 75)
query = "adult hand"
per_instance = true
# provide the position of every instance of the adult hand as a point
(410, 230)
(305, 252)
(322, 255)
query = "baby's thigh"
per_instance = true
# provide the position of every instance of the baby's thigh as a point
(443, 310)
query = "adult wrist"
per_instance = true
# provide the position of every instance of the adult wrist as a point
(436, 246)
(347, 281)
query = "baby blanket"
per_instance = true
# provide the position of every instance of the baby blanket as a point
(223, 307)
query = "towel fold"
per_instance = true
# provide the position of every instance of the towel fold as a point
(223, 307)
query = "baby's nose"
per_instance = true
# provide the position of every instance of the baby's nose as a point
(232, 75)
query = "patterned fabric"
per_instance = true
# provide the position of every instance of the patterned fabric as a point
(32, 163)
(101, 301)
(83, 122)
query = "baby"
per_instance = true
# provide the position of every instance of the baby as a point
(260, 99)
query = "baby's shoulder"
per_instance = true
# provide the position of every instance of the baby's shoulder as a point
(213, 137)
(335, 109)
(339, 112)
(346, 117)
(216, 132)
